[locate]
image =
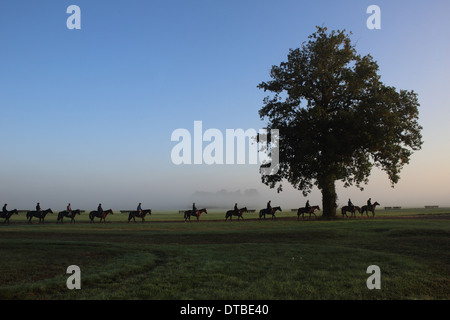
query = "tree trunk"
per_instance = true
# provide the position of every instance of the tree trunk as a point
(329, 197)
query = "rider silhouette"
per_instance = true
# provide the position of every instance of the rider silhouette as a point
(100, 209)
(194, 209)
(350, 204)
(38, 207)
(69, 208)
(369, 202)
(236, 210)
(139, 208)
(4, 208)
(307, 206)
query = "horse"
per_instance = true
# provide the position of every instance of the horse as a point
(231, 213)
(303, 210)
(371, 208)
(68, 214)
(6, 215)
(271, 211)
(189, 213)
(38, 214)
(101, 215)
(350, 209)
(134, 214)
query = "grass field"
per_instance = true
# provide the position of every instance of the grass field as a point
(165, 258)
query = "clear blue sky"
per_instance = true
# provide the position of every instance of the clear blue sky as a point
(87, 115)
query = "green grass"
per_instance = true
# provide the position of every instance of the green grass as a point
(281, 259)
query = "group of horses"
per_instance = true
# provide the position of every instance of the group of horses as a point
(30, 214)
(239, 213)
(61, 215)
(361, 210)
(300, 212)
(187, 214)
(72, 214)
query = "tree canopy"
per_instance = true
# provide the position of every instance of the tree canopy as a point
(336, 118)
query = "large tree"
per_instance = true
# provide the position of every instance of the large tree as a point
(336, 119)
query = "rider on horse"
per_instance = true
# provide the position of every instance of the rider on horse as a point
(4, 208)
(139, 209)
(369, 202)
(194, 209)
(99, 208)
(350, 204)
(236, 210)
(307, 206)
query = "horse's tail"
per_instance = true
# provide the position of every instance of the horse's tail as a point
(261, 213)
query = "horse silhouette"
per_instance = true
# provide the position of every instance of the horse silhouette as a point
(371, 208)
(303, 210)
(134, 214)
(271, 211)
(68, 214)
(189, 213)
(350, 209)
(101, 215)
(38, 214)
(6, 215)
(231, 213)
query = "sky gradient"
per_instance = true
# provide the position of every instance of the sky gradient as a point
(87, 115)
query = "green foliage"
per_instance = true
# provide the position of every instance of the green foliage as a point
(336, 118)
